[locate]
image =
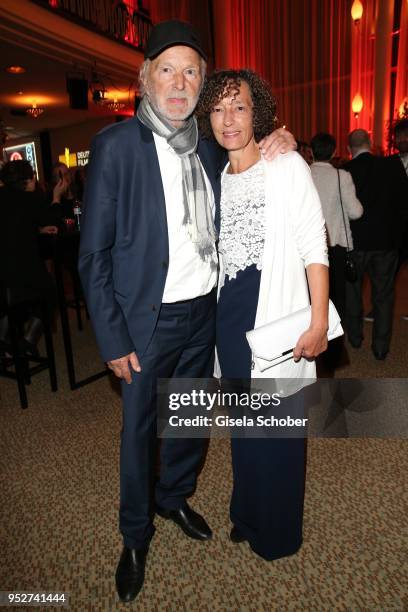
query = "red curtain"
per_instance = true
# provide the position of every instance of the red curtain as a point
(310, 51)
(302, 47)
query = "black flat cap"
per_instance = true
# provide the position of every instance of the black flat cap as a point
(171, 33)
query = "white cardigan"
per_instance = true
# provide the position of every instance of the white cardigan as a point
(295, 237)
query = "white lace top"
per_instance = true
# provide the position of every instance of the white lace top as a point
(242, 234)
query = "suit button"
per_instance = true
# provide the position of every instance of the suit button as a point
(153, 307)
(164, 264)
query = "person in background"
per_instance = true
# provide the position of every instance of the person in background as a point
(149, 266)
(401, 143)
(305, 150)
(337, 194)
(79, 182)
(340, 204)
(377, 238)
(400, 161)
(62, 190)
(272, 238)
(24, 213)
(399, 165)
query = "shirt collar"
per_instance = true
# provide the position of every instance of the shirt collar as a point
(361, 153)
(162, 143)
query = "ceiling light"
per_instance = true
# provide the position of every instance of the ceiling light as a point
(115, 105)
(97, 87)
(34, 111)
(15, 69)
(98, 95)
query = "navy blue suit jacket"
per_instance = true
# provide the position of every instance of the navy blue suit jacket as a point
(124, 250)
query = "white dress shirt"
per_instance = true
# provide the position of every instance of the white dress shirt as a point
(188, 275)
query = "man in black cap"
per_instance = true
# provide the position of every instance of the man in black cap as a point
(148, 264)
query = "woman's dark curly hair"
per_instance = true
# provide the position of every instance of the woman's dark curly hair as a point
(227, 83)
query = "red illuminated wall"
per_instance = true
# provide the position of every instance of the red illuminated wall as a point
(313, 55)
(302, 47)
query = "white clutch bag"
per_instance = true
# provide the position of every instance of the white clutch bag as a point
(274, 342)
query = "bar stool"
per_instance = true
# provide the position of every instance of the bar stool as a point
(20, 360)
(77, 301)
(66, 248)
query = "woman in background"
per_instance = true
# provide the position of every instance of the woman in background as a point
(339, 204)
(24, 213)
(337, 194)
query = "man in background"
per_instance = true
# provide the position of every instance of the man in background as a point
(401, 163)
(401, 143)
(377, 238)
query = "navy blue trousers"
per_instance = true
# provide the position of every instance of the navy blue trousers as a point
(182, 347)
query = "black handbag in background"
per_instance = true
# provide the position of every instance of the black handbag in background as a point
(350, 266)
(350, 269)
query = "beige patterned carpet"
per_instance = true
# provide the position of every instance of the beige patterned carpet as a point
(59, 503)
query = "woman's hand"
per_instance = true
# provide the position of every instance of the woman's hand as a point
(311, 343)
(314, 341)
(59, 190)
(280, 141)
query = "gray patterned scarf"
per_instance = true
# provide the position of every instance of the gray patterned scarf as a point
(197, 209)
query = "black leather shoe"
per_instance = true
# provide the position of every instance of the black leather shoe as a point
(130, 573)
(236, 536)
(357, 344)
(192, 523)
(380, 355)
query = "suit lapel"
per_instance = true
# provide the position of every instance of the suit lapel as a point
(153, 171)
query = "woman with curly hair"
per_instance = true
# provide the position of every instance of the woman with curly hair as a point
(271, 231)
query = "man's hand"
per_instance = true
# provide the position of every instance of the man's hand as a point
(311, 343)
(280, 141)
(121, 367)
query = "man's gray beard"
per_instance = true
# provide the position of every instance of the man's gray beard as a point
(163, 114)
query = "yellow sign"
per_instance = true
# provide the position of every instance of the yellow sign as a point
(72, 160)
